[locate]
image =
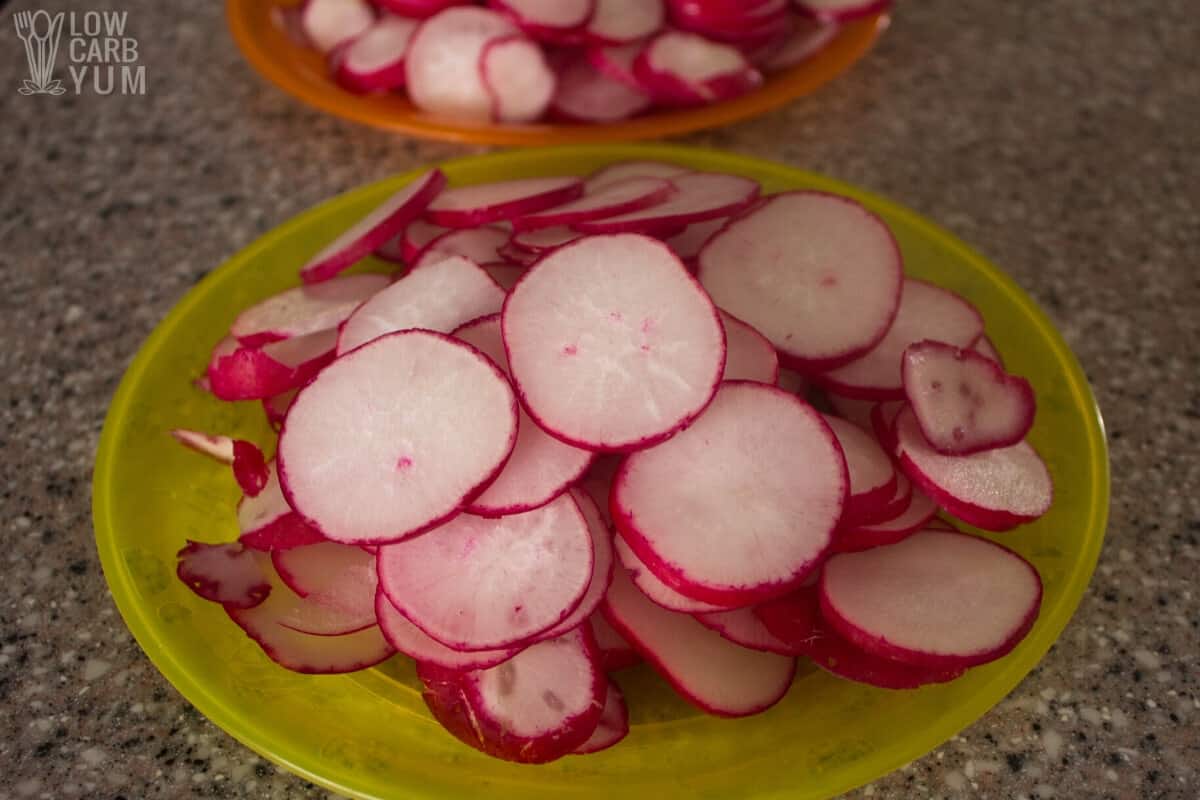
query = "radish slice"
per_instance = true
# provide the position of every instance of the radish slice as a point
(965, 402)
(482, 584)
(619, 320)
(937, 599)
(249, 467)
(374, 61)
(226, 573)
(995, 490)
(804, 42)
(481, 245)
(624, 170)
(766, 484)
(615, 652)
(533, 708)
(602, 567)
(613, 725)
(215, 446)
(416, 236)
(442, 65)
(541, 467)
(915, 516)
(749, 356)
(891, 511)
(369, 233)
(687, 245)
(247, 373)
(883, 422)
(794, 265)
(841, 10)
(616, 63)
(325, 568)
(505, 275)
(439, 296)
(632, 194)
(393, 438)
(700, 196)
(517, 77)
(708, 670)
(926, 312)
(267, 522)
(984, 346)
(586, 94)
(415, 643)
(621, 21)
(687, 69)
(544, 240)
(470, 206)
(547, 17)
(854, 411)
(419, 9)
(304, 309)
(741, 626)
(657, 591)
(329, 23)
(872, 476)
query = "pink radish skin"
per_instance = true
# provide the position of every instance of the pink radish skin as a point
(915, 516)
(304, 309)
(963, 401)
(547, 18)
(700, 196)
(415, 643)
(471, 206)
(613, 725)
(602, 567)
(267, 522)
(481, 245)
(600, 302)
(384, 222)
(707, 670)
(872, 476)
(995, 490)
(654, 589)
(419, 9)
(439, 296)
(616, 63)
(587, 95)
(685, 69)
(883, 422)
(633, 194)
(771, 452)
(517, 77)
(374, 61)
(741, 626)
(623, 170)
(442, 65)
(395, 437)
(215, 446)
(254, 373)
(622, 21)
(985, 347)
(226, 573)
(841, 10)
(615, 652)
(938, 599)
(504, 274)
(484, 584)
(793, 265)
(249, 467)
(749, 356)
(330, 23)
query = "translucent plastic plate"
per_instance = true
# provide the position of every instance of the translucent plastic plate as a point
(368, 735)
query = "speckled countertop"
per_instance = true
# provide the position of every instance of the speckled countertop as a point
(1060, 138)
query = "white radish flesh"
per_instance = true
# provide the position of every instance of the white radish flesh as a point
(749, 356)
(442, 64)
(227, 573)
(613, 725)
(587, 95)
(687, 245)
(415, 643)
(481, 245)
(470, 206)
(602, 567)
(544, 240)
(329, 23)
(304, 309)
(741, 626)
(215, 446)
(681, 68)
(632, 194)
(699, 196)
(517, 77)
(374, 61)
(872, 476)
(621, 21)
(657, 591)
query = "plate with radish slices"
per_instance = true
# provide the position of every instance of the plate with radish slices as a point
(542, 72)
(578, 478)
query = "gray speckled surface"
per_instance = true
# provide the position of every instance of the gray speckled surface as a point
(1062, 139)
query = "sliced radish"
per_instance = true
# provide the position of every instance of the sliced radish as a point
(585, 94)
(926, 312)
(254, 373)
(986, 348)
(632, 194)
(613, 725)
(517, 77)
(741, 626)
(329, 23)
(393, 438)
(442, 65)
(749, 356)
(419, 9)
(615, 652)
(621, 21)
(793, 266)
(619, 321)
(682, 68)
(215, 446)
(995, 490)
(469, 206)
(544, 240)
(267, 522)
(766, 484)
(965, 402)
(616, 63)
(708, 670)
(602, 567)
(872, 476)
(374, 61)
(504, 274)
(883, 422)
(841, 10)
(369, 233)
(687, 245)
(541, 467)
(249, 467)
(623, 170)
(915, 516)
(482, 584)
(439, 296)
(937, 599)
(323, 568)
(802, 43)
(415, 643)
(547, 17)
(657, 591)
(700, 196)
(481, 245)
(416, 236)
(226, 573)
(304, 309)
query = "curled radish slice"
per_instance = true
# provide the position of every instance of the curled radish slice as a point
(442, 64)
(415, 643)
(254, 373)
(227, 573)
(469, 206)
(517, 77)
(872, 476)
(620, 197)
(613, 725)
(699, 196)
(304, 309)
(393, 438)
(841, 10)
(374, 61)
(615, 652)
(741, 626)
(749, 356)
(215, 446)
(621, 21)
(681, 68)
(329, 23)
(585, 94)
(654, 589)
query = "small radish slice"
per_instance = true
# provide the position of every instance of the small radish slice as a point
(481, 245)
(482, 584)
(802, 43)
(541, 467)
(544, 240)
(249, 467)
(536, 707)
(517, 77)
(915, 516)
(253, 373)
(415, 643)
(602, 567)
(995, 490)
(986, 348)
(657, 591)
(586, 94)
(323, 568)
(926, 312)
(615, 652)
(872, 475)
(623, 170)
(369, 233)
(267, 522)
(226, 573)
(795, 264)
(304, 309)
(621, 21)
(965, 402)
(766, 484)
(937, 599)
(215, 446)
(894, 508)
(392, 439)
(374, 61)
(419, 9)
(619, 320)
(708, 670)
(632, 194)
(687, 245)
(613, 725)
(616, 63)
(504, 274)
(741, 626)
(857, 412)
(470, 206)
(749, 356)
(841, 10)
(682, 68)
(883, 422)
(547, 17)
(416, 236)
(439, 296)
(276, 407)
(329, 23)
(442, 64)
(700, 196)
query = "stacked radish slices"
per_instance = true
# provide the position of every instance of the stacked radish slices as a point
(570, 358)
(590, 61)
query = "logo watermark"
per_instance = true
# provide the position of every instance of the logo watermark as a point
(100, 55)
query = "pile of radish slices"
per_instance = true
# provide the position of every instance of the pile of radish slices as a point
(591, 61)
(648, 412)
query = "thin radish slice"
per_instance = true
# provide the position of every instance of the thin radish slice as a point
(986, 348)
(374, 61)
(687, 245)
(482, 584)
(253, 373)
(926, 312)
(872, 475)
(841, 10)
(415, 643)
(536, 707)
(544, 240)
(883, 422)
(541, 467)
(749, 356)
(267, 522)
(741, 626)
(392, 439)
(504, 274)
(481, 245)
(894, 508)
(249, 467)
(654, 589)
(276, 407)
(439, 296)
(226, 573)
(766, 484)
(304, 309)
(632, 194)
(624, 170)
(613, 725)
(793, 267)
(442, 65)
(470, 206)
(700, 196)
(369, 233)
(915, 516)
(619, 320)
(621, 21)
(964, 401)
(857, 412)
(682, 68)
(802, 43)
(937, 599)
(547, 17)
(602, 567)
(616, 63)
(615, 652)
(708, 670)
(588, 95)
(995, 490)
(325, 568)
(419, 9)
(329, 23)
(416, 236)
(517, 77)
(215, 446)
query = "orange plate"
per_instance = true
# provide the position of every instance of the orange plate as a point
(301, 73)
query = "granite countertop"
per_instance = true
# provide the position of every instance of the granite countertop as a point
(1061, 139)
